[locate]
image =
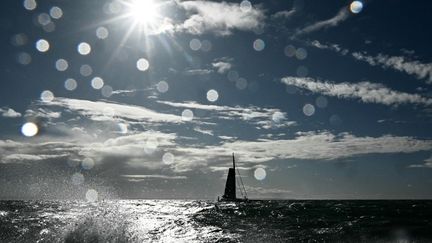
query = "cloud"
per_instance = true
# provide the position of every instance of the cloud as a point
(109, 111)
(227, 138)
(9, 113)
(365, 91)
(30, 157)
(221, 66)
(284, 14)
(220, 18)
(266, 191)
(318, 146)
(332, 47)
(265, 118)
(324, 146)
(139, 178)
(427, 164)
(398, 63)
(198, 72)
(203, 131)
(341, 16)
(42, 113)
(129, 91)
(145, 150)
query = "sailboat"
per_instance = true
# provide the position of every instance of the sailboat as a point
(230, 194)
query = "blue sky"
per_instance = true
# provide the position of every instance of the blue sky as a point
(148, 99)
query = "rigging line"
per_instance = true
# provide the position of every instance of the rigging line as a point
(241, 180)
(241, 192)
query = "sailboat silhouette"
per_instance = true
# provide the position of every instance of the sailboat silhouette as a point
(230, 186)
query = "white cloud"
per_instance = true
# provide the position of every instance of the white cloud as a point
(129, 91)
(9, 113)
(262, 117)
(107, 111)
(221, 66)
(427, 164)
(145, 150)
(365, 91)
(138, 178)
(204, 131)
(267, 191)
(341, 16)
(30, 157)
(227, 138)
(141, 146)
(42, 113)
(332, 47)
(198, 72)
(220, 18)
(285, 14)
(319, 146)
(399, 63)
(324, 146)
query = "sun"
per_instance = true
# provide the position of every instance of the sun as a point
(143, 12)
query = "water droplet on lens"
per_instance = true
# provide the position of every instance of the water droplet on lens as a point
(321, 102)
(44, 19)
(301, 53)
(308, 109)
(70, 84)
(241, 83)
(187, 115)
(168, 158)
(61, 65)
(356, 7)
(84, 48)
(258, 45)
(19, 39)
(212, 95)
(56, 12)
(142, 64)
(86, 70)
(24, 58)
(42, 45)
(107, 91)
(195, 44)
(97, 83)
(77, 179)
(87, 164)
(245, 6)
(47, 96)
(260, 174)
(162, 86)
(102, 33)
(290, 51)
(233, 76)
(29, 129)
(92, 195)
(30, 4)
(206, 45)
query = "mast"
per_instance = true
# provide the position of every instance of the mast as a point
(230, 186)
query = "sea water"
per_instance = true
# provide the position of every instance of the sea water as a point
(208, 221)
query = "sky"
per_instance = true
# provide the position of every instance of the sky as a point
(149, 99)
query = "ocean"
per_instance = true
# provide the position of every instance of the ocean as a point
(207, 221)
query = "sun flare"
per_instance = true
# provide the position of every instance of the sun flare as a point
(143, 11)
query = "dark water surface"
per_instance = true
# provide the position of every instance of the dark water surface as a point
(206, 221)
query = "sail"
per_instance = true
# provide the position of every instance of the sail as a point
(230, 186)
